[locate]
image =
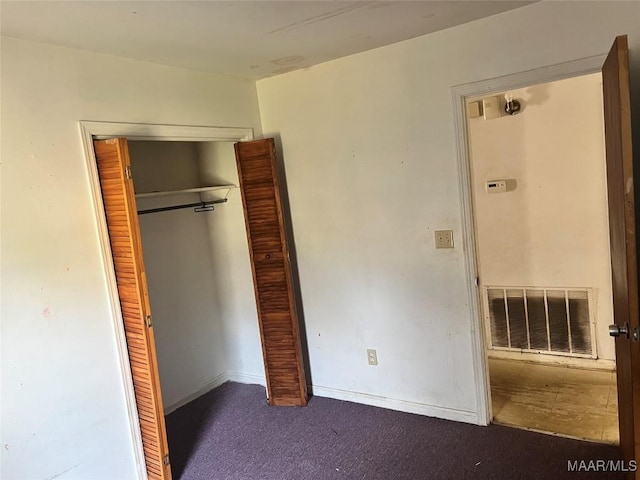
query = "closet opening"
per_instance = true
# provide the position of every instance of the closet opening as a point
(195, 248)
(197, 270)
(197, 267)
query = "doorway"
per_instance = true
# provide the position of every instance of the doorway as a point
(188, 257)
(614, 67)
(139, 369)
(166, 186)
(198, 275)
(542, 246)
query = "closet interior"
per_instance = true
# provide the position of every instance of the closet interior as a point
(197, 266)
(202, 267)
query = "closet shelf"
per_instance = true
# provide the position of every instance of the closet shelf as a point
(212, 188)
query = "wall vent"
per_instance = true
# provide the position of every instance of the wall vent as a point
(542, 320)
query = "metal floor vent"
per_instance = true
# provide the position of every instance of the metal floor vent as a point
(541, 320)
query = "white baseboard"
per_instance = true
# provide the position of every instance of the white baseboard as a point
(574, 362)
(207, 387)
(395, 404)
(338, 394)
(215, 383)
(246, 378)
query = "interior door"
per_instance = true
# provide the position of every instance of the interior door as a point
(622, 233)
(270, 264)
(114, 170)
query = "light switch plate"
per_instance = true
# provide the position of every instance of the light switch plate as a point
(444, 238)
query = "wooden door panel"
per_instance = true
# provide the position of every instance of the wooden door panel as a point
(112, 157)
(265, 246)
(264, 192)
(267, 233)
(258, 172)
(622, 234)
(264, 212)
(269, 256)
(268, 250)
(274, 280)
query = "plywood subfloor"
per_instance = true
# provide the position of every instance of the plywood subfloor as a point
(557, 399)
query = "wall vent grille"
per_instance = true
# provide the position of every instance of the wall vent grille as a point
(543, 320)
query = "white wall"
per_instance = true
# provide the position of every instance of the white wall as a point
(553, 229)
(63, 407)
(369, 147)
(182, 276)
(230, 252)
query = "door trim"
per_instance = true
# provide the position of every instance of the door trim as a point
(90, 130)
(460, 93)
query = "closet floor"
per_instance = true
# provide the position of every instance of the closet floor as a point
(562, 400)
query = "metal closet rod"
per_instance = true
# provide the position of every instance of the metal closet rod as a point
(198, 207)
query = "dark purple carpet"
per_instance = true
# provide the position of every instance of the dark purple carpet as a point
(231, 433)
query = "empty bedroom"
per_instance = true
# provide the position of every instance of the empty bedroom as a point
(287, 239)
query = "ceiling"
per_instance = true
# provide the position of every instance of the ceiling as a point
(251, 39)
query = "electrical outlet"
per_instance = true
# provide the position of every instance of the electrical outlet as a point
(372, 356)
(444, 238)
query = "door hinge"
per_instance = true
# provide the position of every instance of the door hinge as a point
(127, 172)
(147, 321)
(165, 460)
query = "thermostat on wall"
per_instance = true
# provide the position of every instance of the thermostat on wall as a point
(496, 186)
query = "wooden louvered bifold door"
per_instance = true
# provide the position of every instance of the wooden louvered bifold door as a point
(126, 247)
(257, 170)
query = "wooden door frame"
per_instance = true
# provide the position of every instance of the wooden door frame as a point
(460, 94)
(89, 131)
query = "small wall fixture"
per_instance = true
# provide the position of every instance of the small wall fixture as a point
(511, 106)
